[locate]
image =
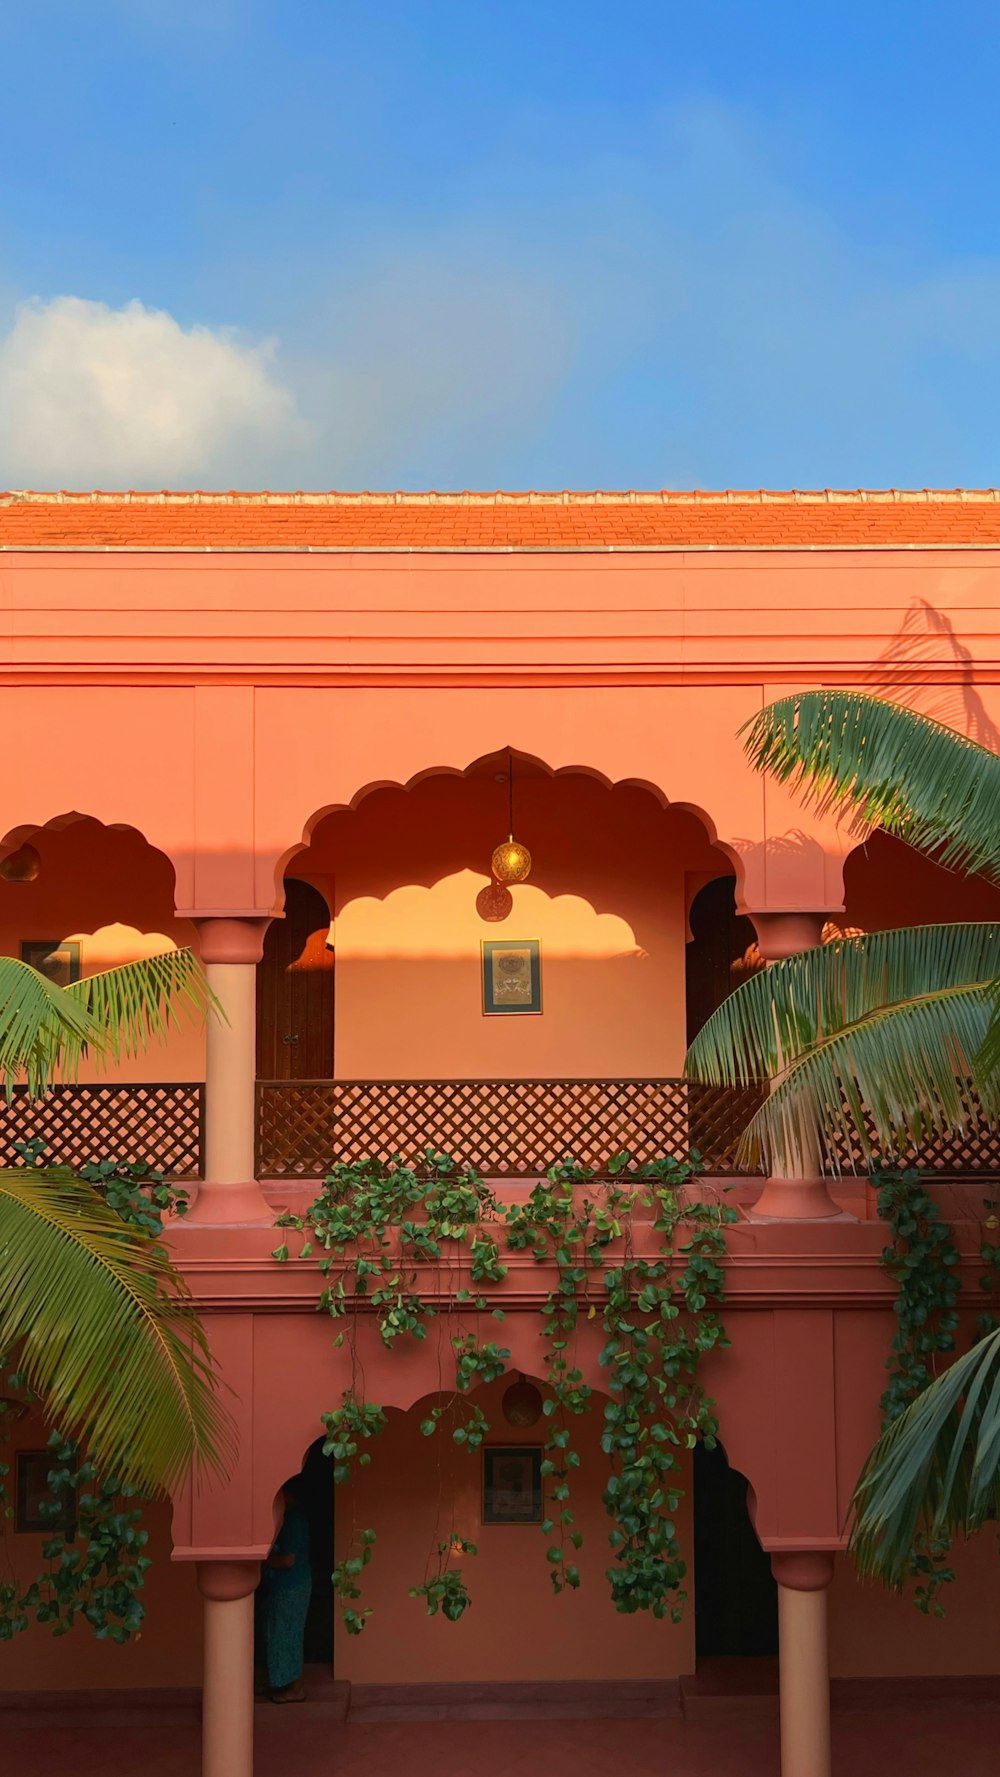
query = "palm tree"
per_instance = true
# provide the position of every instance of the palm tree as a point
(878, 1042)
(100, 1324)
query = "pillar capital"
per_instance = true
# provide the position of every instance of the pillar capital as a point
(803, 1570)
(782, 933)
(224, 1581)
(231, 937)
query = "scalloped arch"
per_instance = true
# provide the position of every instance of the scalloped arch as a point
(733, 854)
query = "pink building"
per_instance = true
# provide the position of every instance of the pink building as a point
(287, 729)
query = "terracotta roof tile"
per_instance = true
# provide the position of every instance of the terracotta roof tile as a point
(725, 519)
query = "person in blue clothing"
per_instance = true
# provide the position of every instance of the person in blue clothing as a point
(285, 1588)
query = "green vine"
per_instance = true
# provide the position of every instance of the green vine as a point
(376, 1226)
(987, 1320)
(446, 1590)
(923, 1260)
(95, 1566)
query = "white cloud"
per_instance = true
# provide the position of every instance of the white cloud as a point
(94, 396)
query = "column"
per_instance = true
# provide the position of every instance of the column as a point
(803, 1579)
(231, 950)
(799, 1192)
(227, 1689)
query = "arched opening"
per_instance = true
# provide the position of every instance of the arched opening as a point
(887, 883)
(596, 1008)
(293, 1605)
(735, 1596)
(77, 898)
(318, 1505)
(721, 952)
(295, 990)
(606, 900)
(519, 1642)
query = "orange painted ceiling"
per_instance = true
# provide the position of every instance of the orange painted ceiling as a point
(627, 520)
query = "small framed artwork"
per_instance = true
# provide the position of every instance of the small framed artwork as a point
(512, 1484)
(512, 976)
(55, 958)
(33, 1490)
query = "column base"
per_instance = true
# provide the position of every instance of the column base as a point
(797, 1200)
(228, 1205)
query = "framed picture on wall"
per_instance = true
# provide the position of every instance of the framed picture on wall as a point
(56, 958)
(512, 976)
(33, 1492)
(512, 1484)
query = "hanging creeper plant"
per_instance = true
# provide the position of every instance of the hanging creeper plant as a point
(378, 1227)
(923, 1260)
(660, 1317)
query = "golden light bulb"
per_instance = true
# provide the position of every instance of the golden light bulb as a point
(512, 861)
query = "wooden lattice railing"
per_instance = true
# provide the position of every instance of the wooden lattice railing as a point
(975, 1153)
(504, 1128)
(156, 1125)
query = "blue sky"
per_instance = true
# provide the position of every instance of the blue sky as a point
(441, 245)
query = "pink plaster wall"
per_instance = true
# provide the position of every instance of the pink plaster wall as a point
(878, 1634)
(166, 1654)
(606, 899)
(418, 1490)
(253, 676)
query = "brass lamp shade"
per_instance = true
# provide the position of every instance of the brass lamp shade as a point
(511, 861)
(522, 1403)
(22, 865)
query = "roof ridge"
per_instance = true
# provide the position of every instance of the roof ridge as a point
(502, 497)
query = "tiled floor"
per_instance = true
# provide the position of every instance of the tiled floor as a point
(741, 1741)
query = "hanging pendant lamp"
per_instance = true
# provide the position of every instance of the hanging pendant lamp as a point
(512, 860)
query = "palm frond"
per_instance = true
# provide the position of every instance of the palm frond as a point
(896, 769)
(935, 1468)
(43, 1028)
(883, 1085)
(872, 1042)
(137, 1003)
(105, 1333)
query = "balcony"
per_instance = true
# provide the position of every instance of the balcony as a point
(513, 1129)
(503, 1128)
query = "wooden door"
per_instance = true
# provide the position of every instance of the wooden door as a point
(720, 940)
(295, 999)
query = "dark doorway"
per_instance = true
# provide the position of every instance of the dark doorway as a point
(317, 1503)
(735, 1596)
(295, 991)
(720, 952)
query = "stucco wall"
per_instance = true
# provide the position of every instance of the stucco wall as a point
(877, 1634)
(419, 1490)
(166, 1654)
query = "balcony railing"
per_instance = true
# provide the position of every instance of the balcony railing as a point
(504, 1128)
(159, 1125)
